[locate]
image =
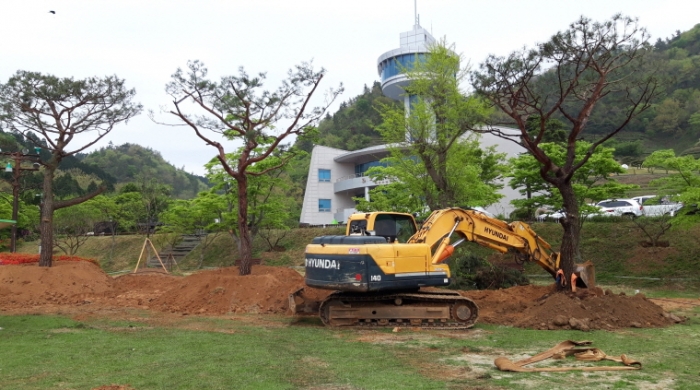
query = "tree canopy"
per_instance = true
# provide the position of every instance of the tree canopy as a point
(433, 154)
(567, 77)
(240, 108)
(71, 116)
(682, 183)
(592, 183)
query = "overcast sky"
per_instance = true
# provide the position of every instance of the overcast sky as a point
(145, 41)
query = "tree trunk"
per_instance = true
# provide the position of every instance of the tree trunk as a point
(245, 246)
(46, 220)
(572, 230)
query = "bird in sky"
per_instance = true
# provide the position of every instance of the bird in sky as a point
(52, 12)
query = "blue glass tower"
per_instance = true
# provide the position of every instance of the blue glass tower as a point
(414, 46)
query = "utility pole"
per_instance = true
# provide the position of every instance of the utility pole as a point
(16, 170)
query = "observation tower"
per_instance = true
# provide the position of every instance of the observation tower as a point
(391, 65)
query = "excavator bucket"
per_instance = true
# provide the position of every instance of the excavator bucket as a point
(586, 274)
(295, 299)
(300, 304)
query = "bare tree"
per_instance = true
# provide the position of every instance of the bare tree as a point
(63, 111)
(238, 108)
(654, 229)
(565, 78)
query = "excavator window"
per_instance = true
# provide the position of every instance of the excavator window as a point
(358, 228)
(393, 227)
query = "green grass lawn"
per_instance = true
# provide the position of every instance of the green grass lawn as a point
(51, 352)
(40, 352)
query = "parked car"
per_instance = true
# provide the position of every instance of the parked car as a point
(632, 208)
(643, 198)
(655, 207)
(561, 213)
(620, 208)
(600, 212)
(551, 216)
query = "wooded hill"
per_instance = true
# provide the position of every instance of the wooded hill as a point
(354, 125)
(127, 162)
(113, 166)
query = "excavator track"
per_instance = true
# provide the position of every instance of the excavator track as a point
(431, 310)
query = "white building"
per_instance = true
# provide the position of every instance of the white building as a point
(337, 176)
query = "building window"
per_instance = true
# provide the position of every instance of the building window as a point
(324, 205)
(400, 63)
(360, 169)
(324, 175)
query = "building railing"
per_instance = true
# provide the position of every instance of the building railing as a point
(365, 177)
(348, 177)
(355, 181)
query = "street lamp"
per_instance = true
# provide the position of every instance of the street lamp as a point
(16, 170)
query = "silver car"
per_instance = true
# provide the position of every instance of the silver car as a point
(629, 208)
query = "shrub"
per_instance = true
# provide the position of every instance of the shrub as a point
(472, 272)
(522, 214)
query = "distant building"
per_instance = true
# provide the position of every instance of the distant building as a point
(337, 176)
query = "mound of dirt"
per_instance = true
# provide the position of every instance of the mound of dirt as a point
(541, 307)
(65, 283)
(140, 289)
(84, 286)
(217, 292)
(223, 291)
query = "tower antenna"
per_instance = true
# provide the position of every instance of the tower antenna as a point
(415, 13)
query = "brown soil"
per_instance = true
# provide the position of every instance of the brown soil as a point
(81, 287)
(678, 304)
(542, 307)
(220, 291)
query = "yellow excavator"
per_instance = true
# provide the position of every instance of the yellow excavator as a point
(379, 266)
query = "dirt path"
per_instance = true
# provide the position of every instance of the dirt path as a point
(677, 304)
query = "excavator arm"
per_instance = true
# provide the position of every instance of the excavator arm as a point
(471, 225)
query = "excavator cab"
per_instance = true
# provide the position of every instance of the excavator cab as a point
(392, 226)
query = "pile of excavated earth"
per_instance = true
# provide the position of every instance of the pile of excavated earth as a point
(82, 285)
